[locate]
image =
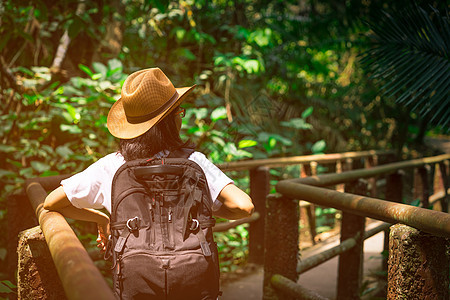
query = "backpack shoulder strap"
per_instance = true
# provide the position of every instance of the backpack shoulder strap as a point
(181, 153)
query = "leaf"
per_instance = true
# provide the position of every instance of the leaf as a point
(252, 66)
(415, 202)
(187, 54)
(99, 68)
(73, 113)
(64, 151)
(114, 67)
(318, 147)
(297, 123)
(7, 174)
(70, 128)
(49, 173)
(218, 114)
(85, 69)
(283, 140)
(180, 33)
(247, 143)
(26, 71)
(39, 166)
(222, 60)
(7, 148)
(200, 113)
(162, 5)
(97, 76)
(4, 288)
(307, 112)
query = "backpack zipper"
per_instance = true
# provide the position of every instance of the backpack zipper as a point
(171, 229)
(122, 196)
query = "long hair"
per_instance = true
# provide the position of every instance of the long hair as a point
(162, 136)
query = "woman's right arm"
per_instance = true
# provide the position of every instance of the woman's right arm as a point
(57, 201)
(236, 204)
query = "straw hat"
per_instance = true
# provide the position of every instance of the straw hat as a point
(147, 97)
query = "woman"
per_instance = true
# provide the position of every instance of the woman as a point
(147, 120)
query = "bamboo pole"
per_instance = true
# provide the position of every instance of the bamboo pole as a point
(79, 276)
(434, 222)
(292, 289)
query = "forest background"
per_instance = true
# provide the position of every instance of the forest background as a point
(274, 78)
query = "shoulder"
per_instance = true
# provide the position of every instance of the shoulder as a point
(111, 159)
(107, 164)
(200, 159)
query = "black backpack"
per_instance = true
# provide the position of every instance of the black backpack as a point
(161, 230)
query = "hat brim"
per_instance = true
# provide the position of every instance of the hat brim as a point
(119, 126)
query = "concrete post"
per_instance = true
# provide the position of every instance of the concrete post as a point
(20, 217)
(418, 265)
(36, 274)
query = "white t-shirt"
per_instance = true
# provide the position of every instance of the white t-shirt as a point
(91, 188)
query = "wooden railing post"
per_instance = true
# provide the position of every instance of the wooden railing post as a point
(394, 193)
(281, 243)
(418, 265)
(370, 162)
(259, 189)
(339, 187)
(445, 182)
(350, 268)
(424, 175)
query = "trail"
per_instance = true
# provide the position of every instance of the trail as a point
(321, 279)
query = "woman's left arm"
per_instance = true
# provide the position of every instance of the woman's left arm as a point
(58, 201)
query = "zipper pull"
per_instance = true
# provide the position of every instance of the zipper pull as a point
(170, 214)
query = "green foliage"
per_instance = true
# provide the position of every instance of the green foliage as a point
(42, 136)
(8, 288)
(233, 248)
(410, 57)
(274, 79)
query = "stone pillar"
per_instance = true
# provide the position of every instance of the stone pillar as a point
(418, 265)
(36, 274)
(281, 242)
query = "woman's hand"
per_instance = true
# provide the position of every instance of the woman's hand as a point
(103, 234)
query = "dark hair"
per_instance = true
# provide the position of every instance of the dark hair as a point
(162, 136)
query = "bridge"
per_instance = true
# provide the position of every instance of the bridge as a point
(360, 184)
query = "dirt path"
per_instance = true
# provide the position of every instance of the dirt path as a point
(321, 279)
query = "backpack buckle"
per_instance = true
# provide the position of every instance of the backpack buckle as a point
(133, 224)
(194, 225)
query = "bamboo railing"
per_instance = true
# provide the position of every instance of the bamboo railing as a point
(282, 267)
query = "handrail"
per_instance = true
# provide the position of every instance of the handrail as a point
(313, 261)
(282, 161)
(220, 227)
(336, 178)
(293, 289)
(310, 189)
(79, 276)
(435, 222)
(356, 206)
